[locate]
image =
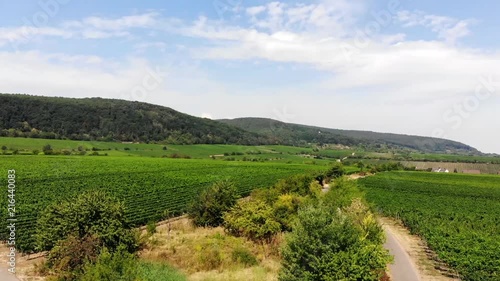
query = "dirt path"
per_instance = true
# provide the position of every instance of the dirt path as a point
(5, 275)
(411, 256)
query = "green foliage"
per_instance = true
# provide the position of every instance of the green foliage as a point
(112, 266)
(93, 213)
(208, 208)
(299, 184)
(285, 210)
(151, 227)
(47, 149)
(244, 256)
(326, 245)
(69, 255)
(456, 214)
(108, 120)
(253, 219)
(158, 272)
(341, 193)
(147, 186)
(337, 170)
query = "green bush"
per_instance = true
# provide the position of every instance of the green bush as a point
(158, 272)
(69, 256)
(208, 208)
(92, 213)
(151, 227)
(285, 210)
(243, 256)
(299, 184)
(341, 193)
(336, 171)
(117, 266)
(327, 245)
(253, 219)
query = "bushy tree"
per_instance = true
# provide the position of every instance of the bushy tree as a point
(69, 256)
(47, 149)
(285, 210)
(93, 213)
(253, 219)
(117, 266)
(336, 171)
(299, 184)
(327, 245)
(208, 208)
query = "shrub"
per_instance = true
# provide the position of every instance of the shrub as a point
(151, 227)
(92, 213)
(36, 151)
(117, 266)
(285, 210)
(299, 184)
(341, 193)
(253, 219)
(47, 149)
(336, 171)
(208, 208)
(68, 257)
(326, 245)
(243, 256)
(210, 257)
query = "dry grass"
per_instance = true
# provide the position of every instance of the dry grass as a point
(209, 254)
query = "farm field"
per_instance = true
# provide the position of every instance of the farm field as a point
(482, 167)
(277, 153)
(457, 215)
(148, 186)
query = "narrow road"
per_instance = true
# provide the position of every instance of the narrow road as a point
(403, 268)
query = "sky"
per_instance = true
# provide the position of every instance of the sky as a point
(429, 68)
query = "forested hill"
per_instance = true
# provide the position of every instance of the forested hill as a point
(119, 120)
(106, 119)
(298, 134)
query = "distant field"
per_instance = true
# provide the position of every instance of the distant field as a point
(483, 167)
(149, 186)
(277, 153)
(458, 215)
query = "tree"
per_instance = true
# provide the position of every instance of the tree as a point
(208, 208)
(253, 219)
(92, 213)
(337, 170)
(47, 149)
(327, 245)
(4, 148)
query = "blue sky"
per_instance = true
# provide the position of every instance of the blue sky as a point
(404, 66)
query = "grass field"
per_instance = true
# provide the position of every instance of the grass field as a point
(149, 186)
(458, 215)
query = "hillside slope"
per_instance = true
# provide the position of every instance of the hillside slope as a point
(107, 119)
(299, 134)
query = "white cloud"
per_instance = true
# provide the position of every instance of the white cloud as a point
(382, 81)
(447, 28)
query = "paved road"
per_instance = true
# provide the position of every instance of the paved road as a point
(403, 268)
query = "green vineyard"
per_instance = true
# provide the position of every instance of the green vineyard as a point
(457, 215)
(148, 186)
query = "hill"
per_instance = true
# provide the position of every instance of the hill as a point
(127, 121)
(301, 134)
(111, 120)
